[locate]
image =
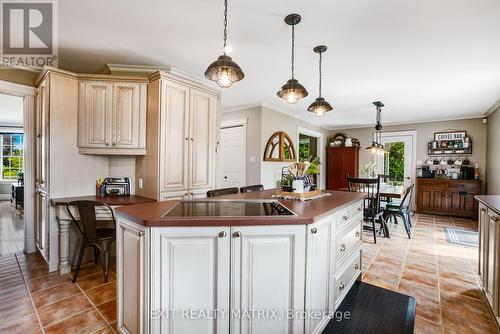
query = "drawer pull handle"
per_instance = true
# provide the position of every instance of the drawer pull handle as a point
(356, 266)
(236, 234)
(222, 234)
(345, 218)
(314, 230)
(342, 248)
(342, 286)
(357, 234)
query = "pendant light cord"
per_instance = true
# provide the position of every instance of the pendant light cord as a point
(320, 71)
(293, 50)
(225, 27)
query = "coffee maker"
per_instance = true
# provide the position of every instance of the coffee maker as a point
(467, 173)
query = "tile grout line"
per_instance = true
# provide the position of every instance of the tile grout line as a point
(30, 297)
(95, 306)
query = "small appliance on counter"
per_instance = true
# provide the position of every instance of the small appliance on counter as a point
(427, 172)
(467, 172)
(113, 186)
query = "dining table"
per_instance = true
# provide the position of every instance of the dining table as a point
(389, 191)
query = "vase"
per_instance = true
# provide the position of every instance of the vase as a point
(298, 186)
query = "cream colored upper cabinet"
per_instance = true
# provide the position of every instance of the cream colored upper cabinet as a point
(174, 138)
(112, 117)
(203, 138)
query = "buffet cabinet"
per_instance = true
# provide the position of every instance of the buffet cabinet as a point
(217, 279)
(341, 162)
(112, 115)
(183, 124)
(446, 196)
(489, 256)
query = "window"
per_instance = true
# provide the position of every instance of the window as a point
(11, 158)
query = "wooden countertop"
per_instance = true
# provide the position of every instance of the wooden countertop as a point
(491, 201)
(109, 200)
(150, 214)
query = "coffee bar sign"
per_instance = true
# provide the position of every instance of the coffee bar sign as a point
(444, 136)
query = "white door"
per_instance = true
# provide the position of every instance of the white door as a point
(233, 157)
(193, 264)
(402, 146)
(267, 273)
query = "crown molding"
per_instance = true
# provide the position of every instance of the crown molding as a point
(492, 109)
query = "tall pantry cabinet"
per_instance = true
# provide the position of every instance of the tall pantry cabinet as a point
(183, 122)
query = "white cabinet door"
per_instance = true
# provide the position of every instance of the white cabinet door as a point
(203, 137)
(132, 250)
(95, 105)
(128, 124)
(174, 138)
(42, 237)
(192, 265)
(482, 261)
(318, 259)
(267, 273)
(493, 262)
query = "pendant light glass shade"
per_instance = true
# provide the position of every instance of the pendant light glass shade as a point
(224, 71)
(320, 106)
(292, 91)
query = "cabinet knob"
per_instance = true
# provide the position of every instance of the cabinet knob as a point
(314, 230)
(342, 248)
(222, 234)
(356, 266)
(236, 234)
(357, 234)
(187, 138)
(107, 144)
(192, 139)
(113, 144)
(141, 233)
(345, 218)
(483, 209)
(342, 286)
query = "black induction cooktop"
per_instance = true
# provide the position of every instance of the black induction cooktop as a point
(228, 208)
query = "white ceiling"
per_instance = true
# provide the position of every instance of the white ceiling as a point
(426, 60)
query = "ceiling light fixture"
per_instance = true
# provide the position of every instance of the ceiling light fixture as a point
(224, 70)
(292, 91)
(376, 147)
(320, 106)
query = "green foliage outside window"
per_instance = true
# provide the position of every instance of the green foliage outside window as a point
(396, 158)
(11, 155)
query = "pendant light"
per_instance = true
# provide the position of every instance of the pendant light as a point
(376, 147)
(320, 106)
(224, 70)
(292, 91)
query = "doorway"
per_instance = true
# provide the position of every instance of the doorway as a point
(232, 172)
(18, 160)
(11, 174)
(311, 147)
(400, 161)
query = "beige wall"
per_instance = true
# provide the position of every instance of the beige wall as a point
(262, 123)
(475, 128)
(493, 153)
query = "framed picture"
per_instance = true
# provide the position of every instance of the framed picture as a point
(455, 135)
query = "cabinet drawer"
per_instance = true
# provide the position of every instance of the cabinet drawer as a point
(347, 275)
(348, 239)
(464, 186)
(356, 209)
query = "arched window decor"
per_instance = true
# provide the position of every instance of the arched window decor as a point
(280, 148)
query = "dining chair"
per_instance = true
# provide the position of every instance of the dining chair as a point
(101, 239)
(249, 189)
(401, 209)
(222, 192)
(385, 178)
(372, 211)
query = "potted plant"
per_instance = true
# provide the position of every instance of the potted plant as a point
(20, 177)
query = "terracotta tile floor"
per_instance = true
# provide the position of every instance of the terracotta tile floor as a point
(439, 275)
(32, 300)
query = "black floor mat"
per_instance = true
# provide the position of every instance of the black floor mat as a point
(373, 310)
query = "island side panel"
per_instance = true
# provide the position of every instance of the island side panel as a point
(133, 268)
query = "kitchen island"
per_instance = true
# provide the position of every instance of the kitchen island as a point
(243, 263)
